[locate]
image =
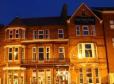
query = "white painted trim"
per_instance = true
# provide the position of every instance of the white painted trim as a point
(12, 28)
(14, 46)
(45, 40)
(13, 68)
(63, 51)
(107, 11)
(40, 34)
(87, 8)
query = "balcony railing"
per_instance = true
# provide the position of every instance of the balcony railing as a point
(45, 62)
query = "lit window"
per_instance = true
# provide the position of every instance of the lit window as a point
(34, 53)
(93, 30)
(86, 50)
(47, 53)
(85, 30)
(40, 34)
(16, 33)
(77, 30)
(10, 53)
(10, 34)
(89, 75)
(41, 53)
(22, 53)
(61, 53)
(15, 53)
(60, 33)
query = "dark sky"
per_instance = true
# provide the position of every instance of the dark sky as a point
(9, 9)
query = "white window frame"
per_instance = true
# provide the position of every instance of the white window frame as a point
(17, 33)
(16, 53)
(41, 52)
(34, 52)
(85, 30)
(62, 33)
(78, 26)
(82, 55)
(48, 52)
(89, 77)
(11, 53)
(10, 34)
(40, 34)
(61, 52)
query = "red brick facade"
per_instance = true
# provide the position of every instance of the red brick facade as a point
(75, 50)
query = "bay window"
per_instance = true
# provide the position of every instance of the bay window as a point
(15, 53)
(86, 50)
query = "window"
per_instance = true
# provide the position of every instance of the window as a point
(15, 53)
(86, 50)
(89, 75)
(35, 34)
(85, 30)
(10, 54)
(93, 30)
(40, 34)
(61, 53)
(47, 53)
(46, 34)
(10, 34)
(111, 22)
(34, 53)
(81, 76)
(77, 30)
(22, 53)
(97, 75)
(16, 33)
(60, 33)
(41, 53)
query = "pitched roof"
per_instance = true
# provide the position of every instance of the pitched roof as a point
(38, 21)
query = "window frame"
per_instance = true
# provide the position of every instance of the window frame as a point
(85, 30)
(41, 52)
(63, 52)
(78, 26)
(46, 34)
(16, 53)
(10, 34)
(9, 53)
(62, 33)
(47, 52)
(34, 53)
(17, 34)
(40, 34)
(93, 49)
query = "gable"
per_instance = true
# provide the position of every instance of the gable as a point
(84, 14)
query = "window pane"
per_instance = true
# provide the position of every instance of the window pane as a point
(10, 56)
(41, 56)
(41, 50)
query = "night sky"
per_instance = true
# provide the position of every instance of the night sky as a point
(9, 9)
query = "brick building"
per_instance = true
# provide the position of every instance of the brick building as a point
(76, 49)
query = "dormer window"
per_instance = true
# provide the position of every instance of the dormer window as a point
(15, 33)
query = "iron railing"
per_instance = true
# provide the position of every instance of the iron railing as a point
(52, 61)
